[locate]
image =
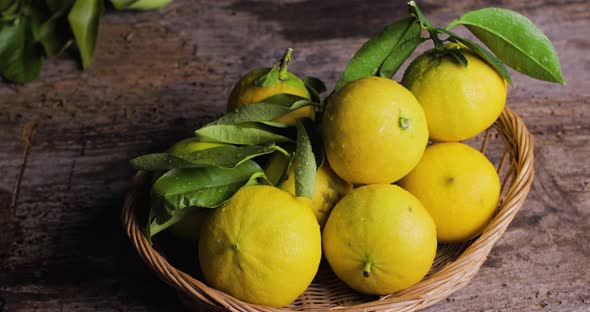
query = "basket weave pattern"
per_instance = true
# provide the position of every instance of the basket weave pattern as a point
(454, 267)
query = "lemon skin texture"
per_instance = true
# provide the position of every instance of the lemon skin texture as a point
(329, 188)
(246, 92)
(263, 246)
(459, 102)
(379, 239)
(374, 131)
(458, 186)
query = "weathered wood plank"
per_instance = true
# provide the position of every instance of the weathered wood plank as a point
(159, 75)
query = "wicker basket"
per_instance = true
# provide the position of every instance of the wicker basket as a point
(455, 264)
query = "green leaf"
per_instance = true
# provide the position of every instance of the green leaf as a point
(84, 20)
(415, 11)
(122, 4)
(317, 145)
(315, 83)
(222, 156)
(458, 56)
(315, 87)
(38, 15)
(54, 37)
(5, 4)
(266, 110)
(12, 37)
(142, 5)
(285, 173)
(54, 33)
(161, 218)
(268, 79)
(21, 58)
(243, 133)
(206, 187)
(395, 60)
(304, 162)
(277, 72)
(314, 134)
(10, 10)
(370, 57)
(179, 190)
(516, 40)
(486, 55)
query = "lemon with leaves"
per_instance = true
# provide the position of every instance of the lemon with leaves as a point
(379, 239)
(189, 226)
(328, 189)
(374, 131)
(263, 246)
(460, 188)
(263, 83)
(459, 101)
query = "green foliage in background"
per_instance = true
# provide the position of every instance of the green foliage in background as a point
(33, 30)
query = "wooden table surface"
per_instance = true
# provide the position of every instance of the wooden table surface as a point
(159, 75)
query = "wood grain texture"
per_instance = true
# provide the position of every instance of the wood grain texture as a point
(159, 75)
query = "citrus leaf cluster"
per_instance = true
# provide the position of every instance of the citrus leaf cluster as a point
(246, 136)
(33, 30)
(513, 39)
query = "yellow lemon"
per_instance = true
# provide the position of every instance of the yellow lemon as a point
(263, 246)
(329, 188)
(189, 226)
(276, 165)
(459, 102)
(458, 186)
(379, 239)
(246, 92)
(374, 131)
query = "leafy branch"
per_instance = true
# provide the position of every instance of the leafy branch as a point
(513, 39)
(33, 30)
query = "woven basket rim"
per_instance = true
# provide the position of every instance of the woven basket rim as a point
(452, 277)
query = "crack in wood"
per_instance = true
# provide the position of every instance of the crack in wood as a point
(71, 174)
(27, 138)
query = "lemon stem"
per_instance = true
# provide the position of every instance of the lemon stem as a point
(284, 64)
(367, 270)
(404, 122)
(282, 150)
(438, 44)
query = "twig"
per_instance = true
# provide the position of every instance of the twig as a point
(27, 136)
